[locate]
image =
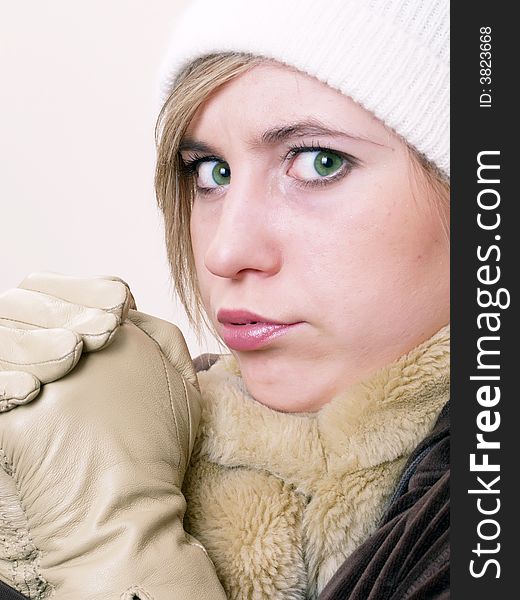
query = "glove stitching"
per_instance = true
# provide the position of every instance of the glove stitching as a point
(190, 422)
(27, 563)
(102, 333)
(170, 395)
(105, 308)
(163, 361)
(8, 403)
(43, 362)
(35, 326)
(14, 398)
(117, 307)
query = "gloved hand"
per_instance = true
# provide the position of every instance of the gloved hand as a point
(47, 322)
(90, 501)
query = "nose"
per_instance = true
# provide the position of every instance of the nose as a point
(245, 238)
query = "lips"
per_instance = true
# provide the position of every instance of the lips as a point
(243, 317)
(243, 330)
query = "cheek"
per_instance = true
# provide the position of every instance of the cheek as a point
(373, 263)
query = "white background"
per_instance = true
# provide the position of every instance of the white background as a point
(78, 103)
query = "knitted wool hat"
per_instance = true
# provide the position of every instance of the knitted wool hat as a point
(390, 56)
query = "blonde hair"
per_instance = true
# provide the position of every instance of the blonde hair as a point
(175, 191)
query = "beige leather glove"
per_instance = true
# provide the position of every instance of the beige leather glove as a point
(91, 468)
(47, 322)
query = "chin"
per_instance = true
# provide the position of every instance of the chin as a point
(285, 378)
(280, 391)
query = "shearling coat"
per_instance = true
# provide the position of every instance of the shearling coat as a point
(280, 500)
(408, 556)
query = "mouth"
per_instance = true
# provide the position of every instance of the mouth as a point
(244, 317)
(243, 330)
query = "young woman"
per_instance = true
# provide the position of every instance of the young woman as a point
(303, 174)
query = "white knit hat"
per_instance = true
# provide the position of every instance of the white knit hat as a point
(390, 56)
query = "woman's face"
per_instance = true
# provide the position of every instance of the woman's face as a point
(307, 214)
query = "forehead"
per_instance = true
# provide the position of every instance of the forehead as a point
(270, 95)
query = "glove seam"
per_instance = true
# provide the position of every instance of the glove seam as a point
(110, 309)
(27, 285)
(31, 553)
(190, 421)
(170, 396)
(44, 362)
(43, 327)
(9, 403)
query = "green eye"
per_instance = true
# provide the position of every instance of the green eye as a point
(327, 163)
(221, 173)
(318, 166)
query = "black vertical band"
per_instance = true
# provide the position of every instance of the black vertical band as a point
(485, 270)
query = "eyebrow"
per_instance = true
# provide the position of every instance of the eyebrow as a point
(188, 143)
(277, 135)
